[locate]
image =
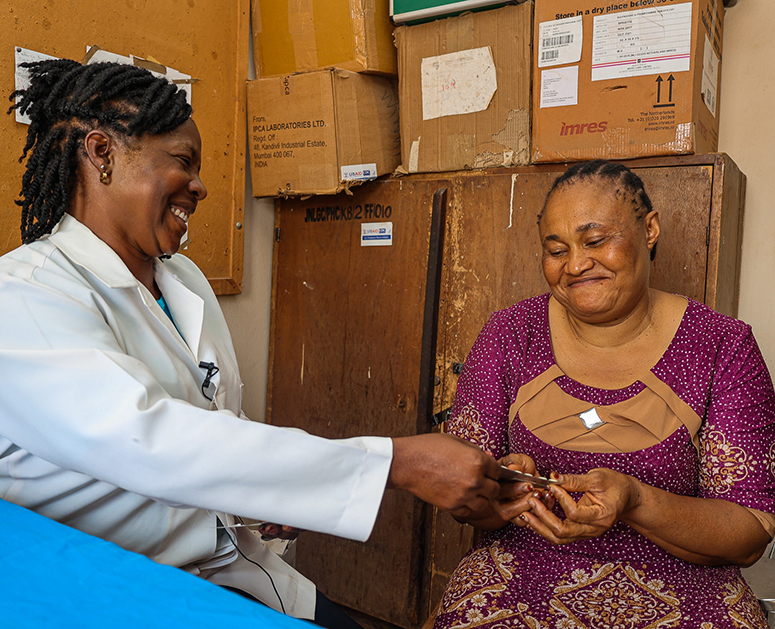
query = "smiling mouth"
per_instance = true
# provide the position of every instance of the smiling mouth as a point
(180, 213)
(585, 280)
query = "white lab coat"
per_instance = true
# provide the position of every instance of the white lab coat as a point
(104, 427)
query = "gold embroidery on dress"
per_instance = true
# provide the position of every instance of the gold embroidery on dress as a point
(772, 459)
(721, 463)
(614, 595)
(484, 573)
(467, 424)
(744, 609)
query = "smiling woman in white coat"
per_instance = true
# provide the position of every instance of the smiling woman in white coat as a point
(120, 413)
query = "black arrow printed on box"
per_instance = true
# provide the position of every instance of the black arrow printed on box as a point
(659, 81)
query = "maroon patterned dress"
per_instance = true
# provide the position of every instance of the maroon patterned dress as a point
(515, 578)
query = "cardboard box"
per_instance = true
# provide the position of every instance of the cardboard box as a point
(355, 35)
(464, 90)
(321, 132)
(633, 78)
(417, 11)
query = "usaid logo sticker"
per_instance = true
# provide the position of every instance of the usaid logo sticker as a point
(376, 234)
(359, 172)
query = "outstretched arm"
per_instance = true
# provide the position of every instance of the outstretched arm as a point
(445, 471)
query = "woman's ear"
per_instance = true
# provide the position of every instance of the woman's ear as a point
(651, 224)
(99, 153)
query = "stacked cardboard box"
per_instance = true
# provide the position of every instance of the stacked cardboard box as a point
(323, 114)
(321, 132)
(354, 35)
(464, 90)
(625, 79)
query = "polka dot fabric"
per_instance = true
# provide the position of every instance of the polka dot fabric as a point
(515, 578)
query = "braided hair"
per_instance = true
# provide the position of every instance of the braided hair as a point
(66, 100)
(626, 182)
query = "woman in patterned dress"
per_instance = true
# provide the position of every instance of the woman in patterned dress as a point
(655, 413)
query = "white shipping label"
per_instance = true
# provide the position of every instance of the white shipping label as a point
(560, 87)
(22, 75)
(646, 41)
(559, 42)
(457, 83)
(376, 234)
(359, 172)
(710, 63)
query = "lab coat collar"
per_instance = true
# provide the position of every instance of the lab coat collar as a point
(86, 249)
(83, 247)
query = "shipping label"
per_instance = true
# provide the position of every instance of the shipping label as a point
(642, 42)
(377, 234)
(359, 172)
(275, 140)
(559, 42)
(560, 87)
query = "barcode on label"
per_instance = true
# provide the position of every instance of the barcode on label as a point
(560, 40)
(549, 55)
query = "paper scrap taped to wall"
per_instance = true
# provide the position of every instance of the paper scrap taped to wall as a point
(94, 54)
(457, 83)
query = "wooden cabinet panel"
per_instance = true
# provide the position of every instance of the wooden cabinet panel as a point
(347, 348)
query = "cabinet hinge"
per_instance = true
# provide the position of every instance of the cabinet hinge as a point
(277, 234)
(707, 236)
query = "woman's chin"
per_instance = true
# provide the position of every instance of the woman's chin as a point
(590, 312)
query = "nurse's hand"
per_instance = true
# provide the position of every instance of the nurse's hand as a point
(606, 496)
(445, 471)
(512, 501)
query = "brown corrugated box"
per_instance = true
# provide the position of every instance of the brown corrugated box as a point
(448, 69)
(321, 132)
(670, 109)
(304, 35)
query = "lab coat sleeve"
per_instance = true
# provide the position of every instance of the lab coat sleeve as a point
(73, 397)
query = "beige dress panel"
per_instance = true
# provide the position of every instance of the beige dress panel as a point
(639, 423)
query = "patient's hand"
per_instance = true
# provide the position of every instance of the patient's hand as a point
(512, 501)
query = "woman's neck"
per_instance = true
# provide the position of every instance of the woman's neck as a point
(615, 355)
(614, 335)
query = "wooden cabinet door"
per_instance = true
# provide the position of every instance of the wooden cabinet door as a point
(347, 359)
(492, 260)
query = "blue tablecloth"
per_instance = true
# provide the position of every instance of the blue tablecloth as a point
(54, 576)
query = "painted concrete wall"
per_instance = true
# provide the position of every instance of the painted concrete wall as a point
(748, 136)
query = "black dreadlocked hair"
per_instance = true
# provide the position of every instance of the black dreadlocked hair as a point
(617, 175)
(66, 100)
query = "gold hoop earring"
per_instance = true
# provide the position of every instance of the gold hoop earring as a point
(103, 175)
